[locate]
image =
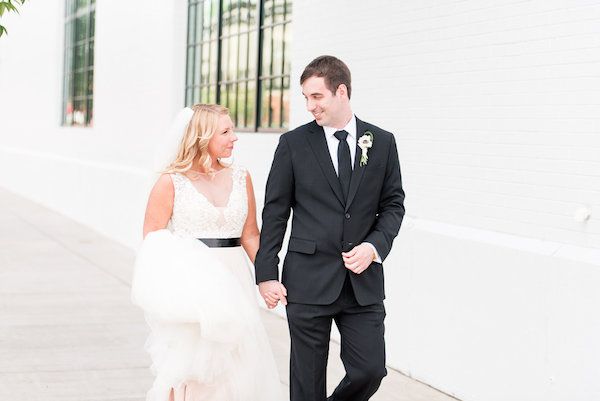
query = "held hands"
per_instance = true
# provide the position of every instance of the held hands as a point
(272, 292)
(359, 258)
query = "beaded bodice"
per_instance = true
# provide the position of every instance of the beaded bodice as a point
(194, 215)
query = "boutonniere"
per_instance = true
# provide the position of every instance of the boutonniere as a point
(365, 142)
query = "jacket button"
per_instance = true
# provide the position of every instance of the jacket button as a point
(347, 215)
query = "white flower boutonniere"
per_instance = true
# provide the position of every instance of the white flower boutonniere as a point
(365, 142)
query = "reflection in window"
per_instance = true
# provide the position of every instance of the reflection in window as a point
(78, 89)
(238, 56)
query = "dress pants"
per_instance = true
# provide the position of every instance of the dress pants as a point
(362, 348)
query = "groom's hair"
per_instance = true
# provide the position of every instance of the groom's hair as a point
(334, 70)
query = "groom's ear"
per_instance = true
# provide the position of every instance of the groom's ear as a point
(342, 90)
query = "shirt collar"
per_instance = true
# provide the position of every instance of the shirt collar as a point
(350, 128)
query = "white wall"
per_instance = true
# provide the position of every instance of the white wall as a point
(492, 283)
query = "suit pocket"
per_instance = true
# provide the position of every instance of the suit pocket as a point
(302, 245)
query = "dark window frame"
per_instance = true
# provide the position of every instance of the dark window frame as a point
(259, 73)
(78, 87)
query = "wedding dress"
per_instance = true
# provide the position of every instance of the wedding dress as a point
(207, 341)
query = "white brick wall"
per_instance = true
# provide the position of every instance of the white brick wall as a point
(495, 104)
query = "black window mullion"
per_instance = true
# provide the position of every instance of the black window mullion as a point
(259, 66)
(219, 49)
(271, 69)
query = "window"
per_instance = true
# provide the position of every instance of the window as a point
(238, 56)
(78, 88)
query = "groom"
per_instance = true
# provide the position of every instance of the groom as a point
(341, 177)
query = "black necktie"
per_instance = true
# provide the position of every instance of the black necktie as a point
(344, 164)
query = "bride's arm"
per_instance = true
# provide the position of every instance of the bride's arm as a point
(250, 234)
(160, 205)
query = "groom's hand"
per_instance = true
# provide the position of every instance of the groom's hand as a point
(272, 292)
(359, 258)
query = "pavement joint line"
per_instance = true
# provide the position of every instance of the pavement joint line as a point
(19, 372)
(74, 252)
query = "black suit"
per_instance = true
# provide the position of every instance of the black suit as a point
(319, 287)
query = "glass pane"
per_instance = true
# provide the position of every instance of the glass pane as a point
(243, 56)
(265, 106)
(205, 94)
(90, 82)
(204, 75)
(69, 7)
(212, 98)
(92, 24)
(197, 64)
(252, 54)
(275, 103)
(267, 52)
(82, 3)
(68, 118)
(279, 10)
(233, 88)
(226, 18)
(277, 50)
(288, 9)
(287, 47)
(235, 18)
(79, 54)
(243, 16)
(191, 24)
(69, 33)
(68, 60)
(68, 99)
(223, 95)
(79, 112)
(224, 58)
(252, 13)
(285, 120)
(79, 84)
(199, 22)
(190, 66)
(250, 104)
(196, 95)
(81, 28)
(267, 12)
(90, 112)
(188, 96)
(213, 62)
(206, 23)
(91, 54)
(240, 120)
(233, 58)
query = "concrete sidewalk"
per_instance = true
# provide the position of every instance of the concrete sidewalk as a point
(68, 331)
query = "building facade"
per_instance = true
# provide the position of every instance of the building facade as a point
(492, 282)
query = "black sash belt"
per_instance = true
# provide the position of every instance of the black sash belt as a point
(221, 242)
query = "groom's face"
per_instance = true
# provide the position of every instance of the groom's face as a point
(325, 106)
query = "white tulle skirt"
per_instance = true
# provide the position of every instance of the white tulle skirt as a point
(207, 341)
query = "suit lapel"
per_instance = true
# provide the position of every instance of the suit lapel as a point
(358, 170)
(318, 143)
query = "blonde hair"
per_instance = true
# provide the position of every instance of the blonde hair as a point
(201, 128)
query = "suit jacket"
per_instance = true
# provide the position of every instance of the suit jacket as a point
(303, 179)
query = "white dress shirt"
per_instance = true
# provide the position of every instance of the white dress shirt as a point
(332, 144)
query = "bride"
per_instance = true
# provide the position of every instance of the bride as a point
(191, 277)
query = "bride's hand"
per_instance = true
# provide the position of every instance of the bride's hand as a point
(272, 292)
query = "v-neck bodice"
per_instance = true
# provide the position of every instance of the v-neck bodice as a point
(222, 216)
